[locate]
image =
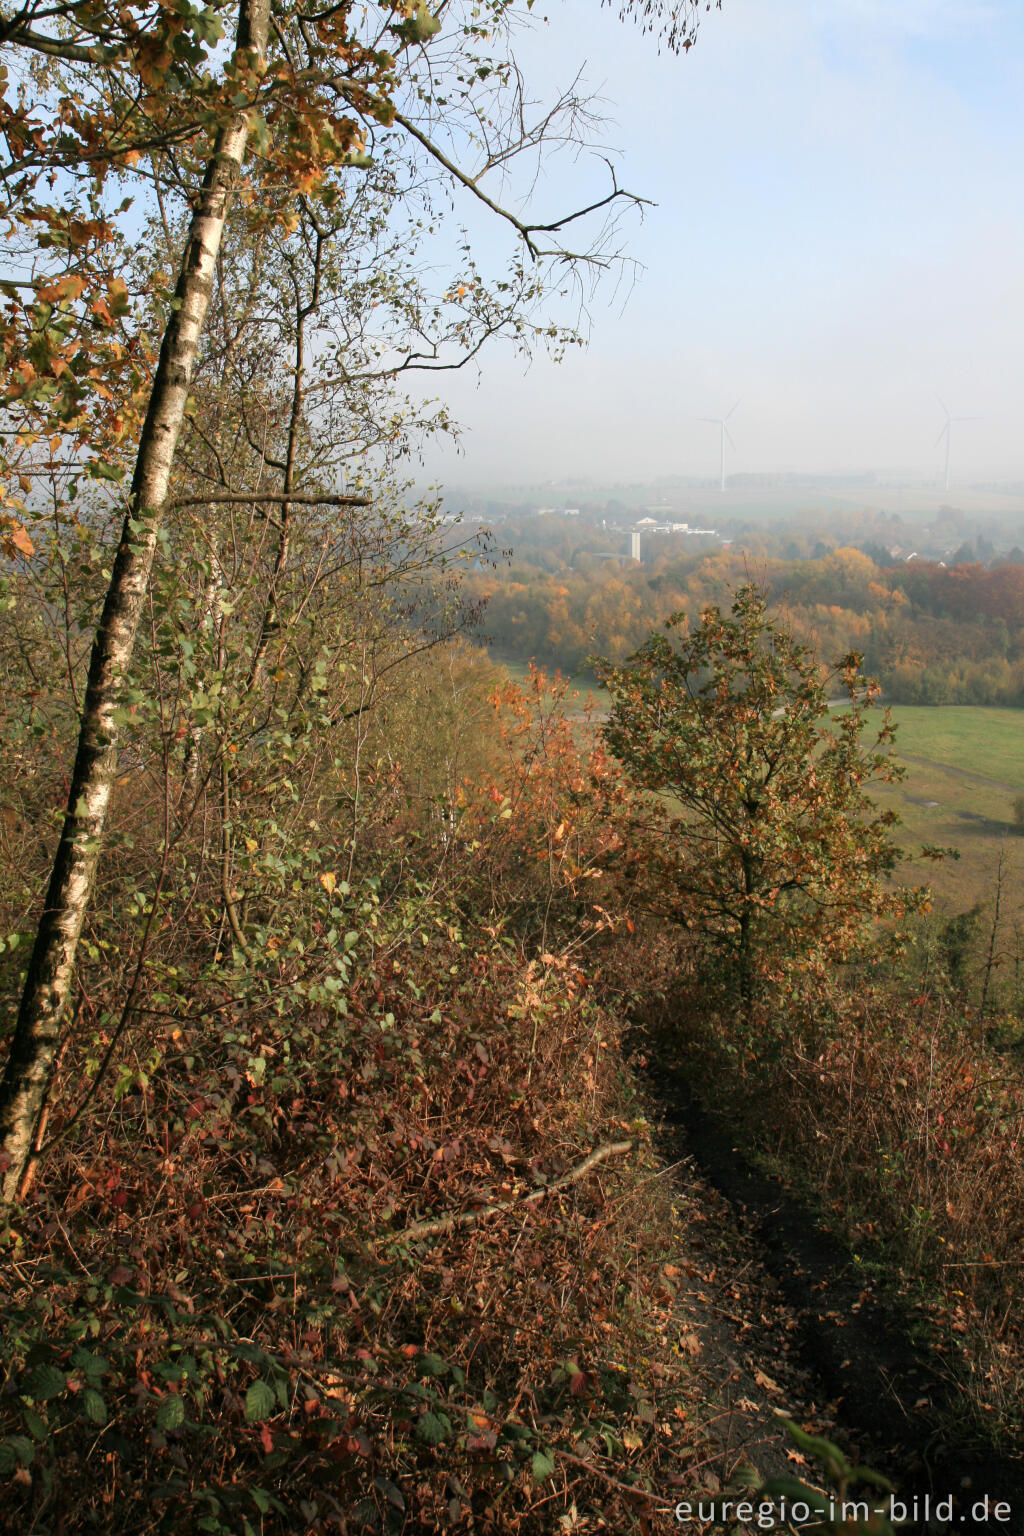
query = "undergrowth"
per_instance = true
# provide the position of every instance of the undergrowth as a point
(906, 1132)
(219, 1315)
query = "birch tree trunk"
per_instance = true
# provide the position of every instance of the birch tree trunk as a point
(29, 1068)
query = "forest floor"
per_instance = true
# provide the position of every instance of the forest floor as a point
(784, 1322)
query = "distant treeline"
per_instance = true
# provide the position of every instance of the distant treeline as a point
(931, 633)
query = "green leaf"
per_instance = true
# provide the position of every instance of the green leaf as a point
(171, 1413)
(391, 1492)
(795, 1492)
(44, 1382)
(420, 27)
(432, 1428)
(96, 469)
(824, 1450)
(542, 1465)
(36, 1426)
(745, 1477)
(259, 134)
(93, 1406)
(259, 1402)
(16, 1450)
(256, 1068)
(875, 1479)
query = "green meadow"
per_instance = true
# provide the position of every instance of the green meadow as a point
(965, 769)
(986, 742)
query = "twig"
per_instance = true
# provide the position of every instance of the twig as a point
(450, 1223)
(524, 230)
(613, 1482)
(978, 1263)
(245, 498)
(659, 1173)
(70, 1248)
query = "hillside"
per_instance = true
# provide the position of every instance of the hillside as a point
(432, 1101)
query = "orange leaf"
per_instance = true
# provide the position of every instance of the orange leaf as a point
(70, 287)
(16, 538)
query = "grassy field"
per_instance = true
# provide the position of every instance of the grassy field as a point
(988, 742)
(582, 687)
(965, 768)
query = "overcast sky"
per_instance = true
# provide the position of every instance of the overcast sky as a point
(838, 237)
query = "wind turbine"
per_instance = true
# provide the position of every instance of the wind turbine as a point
(947, 433)
(723, 433)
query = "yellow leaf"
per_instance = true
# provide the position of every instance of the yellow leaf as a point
(328, 881)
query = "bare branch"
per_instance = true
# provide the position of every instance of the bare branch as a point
(441, 1224)
(524, 230)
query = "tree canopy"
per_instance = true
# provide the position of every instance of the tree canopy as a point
(769, 843)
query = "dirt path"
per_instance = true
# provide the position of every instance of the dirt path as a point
(960, 773)
(784, 1320)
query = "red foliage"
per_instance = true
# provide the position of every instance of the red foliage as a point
(210, 1298)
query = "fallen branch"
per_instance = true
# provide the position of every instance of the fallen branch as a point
(451, 1223)
(648, 1496)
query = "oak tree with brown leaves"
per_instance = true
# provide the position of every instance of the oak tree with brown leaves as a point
(767, 840)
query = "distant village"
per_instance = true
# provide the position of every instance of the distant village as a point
(636, 530)
(643, 525)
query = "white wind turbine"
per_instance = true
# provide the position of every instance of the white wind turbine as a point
(723, 433)
(947, 433)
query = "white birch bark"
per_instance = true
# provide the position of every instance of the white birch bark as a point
(29, 1068)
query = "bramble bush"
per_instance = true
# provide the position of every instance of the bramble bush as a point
(321, 1249)
(905, 1130)
(214, 1321)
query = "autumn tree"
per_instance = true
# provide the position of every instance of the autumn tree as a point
(96, 381)
(543, 824)
(766, 839)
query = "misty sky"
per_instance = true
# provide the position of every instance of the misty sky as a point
(839, 236)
